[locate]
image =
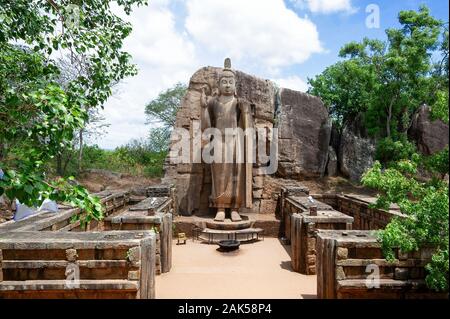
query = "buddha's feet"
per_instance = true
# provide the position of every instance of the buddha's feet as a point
(235, 217)
(220, 216)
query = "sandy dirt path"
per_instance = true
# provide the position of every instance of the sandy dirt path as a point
(258, 270)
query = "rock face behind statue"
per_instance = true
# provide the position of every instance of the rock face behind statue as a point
(356, 150)
(304, 133)
(429, 136)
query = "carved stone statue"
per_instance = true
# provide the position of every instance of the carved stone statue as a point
(231, 180)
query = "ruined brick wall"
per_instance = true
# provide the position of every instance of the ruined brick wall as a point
(348, 260)
(366, 218)
(303, 232)
(106, 265)
(359, 207)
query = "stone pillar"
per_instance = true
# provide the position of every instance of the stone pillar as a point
(296, 241)
(1, 266)
(166, 243)
(147, 263)
(326, 248)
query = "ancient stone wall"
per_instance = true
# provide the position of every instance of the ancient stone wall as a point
(303, 227)
(304, 134)
(366, 217)
(156, 216)
(359, 207)
(161, 223)
(77, 265)
(350, 264)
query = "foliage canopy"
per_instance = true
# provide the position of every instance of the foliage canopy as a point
(38, 115)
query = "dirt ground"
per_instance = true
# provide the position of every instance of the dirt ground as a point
(100, 180)
(336, 185)
(260, 270)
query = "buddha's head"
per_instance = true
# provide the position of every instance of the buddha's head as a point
(227, 80)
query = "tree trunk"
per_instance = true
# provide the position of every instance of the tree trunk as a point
(1, 151)
(80, 152)
(59, 170)
(66, 162)
(389, 118)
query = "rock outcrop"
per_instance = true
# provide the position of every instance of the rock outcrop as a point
(356, 150)
(429, 136)
(304, 135)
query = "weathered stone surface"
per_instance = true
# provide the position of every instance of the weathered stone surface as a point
(133, 275)
(356, 151)
(429, 136)
(268, 206)
(312, 244)
(134, 256)
(305, 132)
(341, 253)
(258, 181)
(71, 255)
(150, 204)
(340, 274)
(311, 260)
(259, 92)
(6, 212)
(257, 194)
(332, 166)
(335, 139)
(401, 273)
(160, 190)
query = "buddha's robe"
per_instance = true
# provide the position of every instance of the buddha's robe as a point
(228, 177)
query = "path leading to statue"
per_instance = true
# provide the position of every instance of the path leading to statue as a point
(257, 270)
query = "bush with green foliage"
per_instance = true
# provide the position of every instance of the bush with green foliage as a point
(426, 206)
(389, 151)
(135, 159)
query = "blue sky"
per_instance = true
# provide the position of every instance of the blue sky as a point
(287, 41)
(338, 29)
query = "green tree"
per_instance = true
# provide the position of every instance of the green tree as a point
(38, 115)
(388, 80)
(163, 111)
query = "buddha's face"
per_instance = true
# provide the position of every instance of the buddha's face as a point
(227, 85)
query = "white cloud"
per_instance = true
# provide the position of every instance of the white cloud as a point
(293, 83)
(252, 31)
(172, 39)
(326, 6)
(163, 57)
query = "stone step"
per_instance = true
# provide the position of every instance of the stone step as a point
(229, 225)
(243, 235)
